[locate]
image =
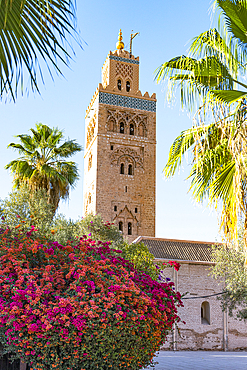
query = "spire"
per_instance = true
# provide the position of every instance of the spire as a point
(120, 44)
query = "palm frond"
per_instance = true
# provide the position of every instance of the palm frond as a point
(31, 31)
(234, 25)
(212, 44)
(195, 77)
(228, 96)
(20, 148)
(222, 186)
(235, 18)
(67, 149)
(185, 142)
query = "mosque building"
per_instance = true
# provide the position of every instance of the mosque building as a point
(119, 184)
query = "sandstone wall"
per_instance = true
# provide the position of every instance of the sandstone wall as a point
(194, 335)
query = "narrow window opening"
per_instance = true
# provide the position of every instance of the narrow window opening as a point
(129, 228)
(135, 210)
(205, 313)
(89, 199)
(126, 189)
(122, 169)
(111, 147)
(130, 170)
(121, 128)
(115, 208)
(120, 226)
(131, 129)
(127, 86)
(119, 85)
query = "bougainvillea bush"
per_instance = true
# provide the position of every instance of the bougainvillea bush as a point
(79, 306)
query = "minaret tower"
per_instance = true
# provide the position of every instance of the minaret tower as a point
(120, 148)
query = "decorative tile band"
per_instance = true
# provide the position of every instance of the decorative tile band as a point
(127, 101)
(133, 61)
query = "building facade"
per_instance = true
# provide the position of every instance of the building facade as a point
(120, 149)
(207, 326)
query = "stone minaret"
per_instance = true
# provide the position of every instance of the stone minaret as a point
(120, 149)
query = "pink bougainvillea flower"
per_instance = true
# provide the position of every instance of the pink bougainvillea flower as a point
(64, 307)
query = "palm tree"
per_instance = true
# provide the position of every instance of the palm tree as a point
(218, 171)
(43, 163)
(217, 141)
(215, 62)
(31, 31)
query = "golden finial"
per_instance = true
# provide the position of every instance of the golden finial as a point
(120, 44)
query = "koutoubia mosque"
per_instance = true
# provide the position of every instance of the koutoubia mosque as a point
(119, 162)
(119, 184)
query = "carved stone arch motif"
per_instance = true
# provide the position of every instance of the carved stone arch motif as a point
(91, 130)
(126, 155)
(111, 123)
(90, 161)
(128, 118)
(142, 130)
(127, 159)
(140, 124)
(126, 221)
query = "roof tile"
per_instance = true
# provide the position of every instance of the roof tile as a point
(178, 249)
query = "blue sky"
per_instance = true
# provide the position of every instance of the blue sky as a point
(165, 27)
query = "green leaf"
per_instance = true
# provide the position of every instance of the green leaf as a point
(31, 31)
(235, 16)
(228, 96)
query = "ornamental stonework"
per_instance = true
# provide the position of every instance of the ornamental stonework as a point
(90, 131)
(124, 70)
(124, 153)
(127, 101)
(115, 117)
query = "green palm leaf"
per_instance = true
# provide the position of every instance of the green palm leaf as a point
(235, 18)
(31, 31)
(212, 44)
(228, 96)
(195, 77)
(222, 187)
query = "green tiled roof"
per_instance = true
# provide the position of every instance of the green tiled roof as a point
(178, 249)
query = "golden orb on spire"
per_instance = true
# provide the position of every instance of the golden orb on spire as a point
(120, 44)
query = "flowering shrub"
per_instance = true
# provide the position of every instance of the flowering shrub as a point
(80, 306)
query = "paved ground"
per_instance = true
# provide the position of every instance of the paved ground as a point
(200, 360)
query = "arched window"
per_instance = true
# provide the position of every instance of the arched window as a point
(131, 129)
(205, 313)
(121, 128)
(130, 169)
(119, 85)
(122, 169)
(120, 226)
(127, 86)
(129, 228)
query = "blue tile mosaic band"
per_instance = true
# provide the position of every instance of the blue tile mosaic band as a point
(127, 102)
(133, 61)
